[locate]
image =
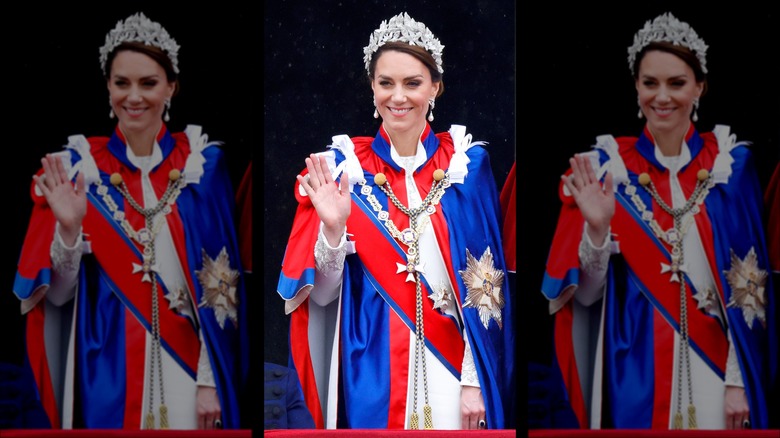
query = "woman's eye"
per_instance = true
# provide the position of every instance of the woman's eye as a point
(414, 84)
(149, 83)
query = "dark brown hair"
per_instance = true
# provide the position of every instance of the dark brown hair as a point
(157, 54)
(418, 52)
(685, 54)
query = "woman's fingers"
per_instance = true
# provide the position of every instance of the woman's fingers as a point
(325, 171)
(314, 179)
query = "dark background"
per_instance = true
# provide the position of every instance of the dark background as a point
(540, 87)
(574, 84)
(54, 88)
(316, 87)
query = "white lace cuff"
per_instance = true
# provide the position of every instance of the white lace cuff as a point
(468, 373)
(205, 374)
(329, 260)
(733, 373)
(65, 260)
(594, 260)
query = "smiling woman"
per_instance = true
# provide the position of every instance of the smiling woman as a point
(658, 234)
(131, 251)
(394, 273)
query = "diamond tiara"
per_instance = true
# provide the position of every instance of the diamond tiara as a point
(403, 28)
(666, 27)
(138, 28)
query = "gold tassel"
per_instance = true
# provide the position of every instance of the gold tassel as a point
(414, 423)
(678, 422)
(163, 417)
(427, 417)
(149, 423)
(692, 417)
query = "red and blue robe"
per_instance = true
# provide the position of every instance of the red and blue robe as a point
(642, 309)
(377, 312)
(113, 307)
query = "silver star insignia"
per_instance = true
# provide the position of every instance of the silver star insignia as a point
(440, 296)
(747, 283)
(177, 299)
(484, 282)
(706, 299)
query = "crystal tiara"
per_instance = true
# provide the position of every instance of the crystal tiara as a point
(403, 28)
(138, 28)
(666, 27)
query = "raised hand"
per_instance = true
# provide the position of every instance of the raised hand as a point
(332, 201)
(67, 203)
(596, 204)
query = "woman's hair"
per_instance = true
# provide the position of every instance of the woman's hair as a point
(685, 54)
(157, 54)
(418, 52)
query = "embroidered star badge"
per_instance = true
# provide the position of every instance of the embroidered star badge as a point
(707, 299)
(219, 284)
(440, 296)
(483, 282)
(177, 299)
(748, 283)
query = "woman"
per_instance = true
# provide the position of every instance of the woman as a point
(394, 270)
(666, 228)
(131, 251)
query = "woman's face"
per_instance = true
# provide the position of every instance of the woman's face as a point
(138, 88)
(667, 88)
(402, 87)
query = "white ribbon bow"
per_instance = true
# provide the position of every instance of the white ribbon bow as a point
(458, 169)
(721, 170)
(193, 167)
(350, 164)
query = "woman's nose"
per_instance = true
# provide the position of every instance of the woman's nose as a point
(134, 95)
(399, 95)
(663, 95)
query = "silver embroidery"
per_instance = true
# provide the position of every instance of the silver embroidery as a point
(328, 259)
(733, 374)
(205, 374)
(65, 260)
(468, 373)
(594, 260)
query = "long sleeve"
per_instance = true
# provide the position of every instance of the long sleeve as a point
(65, 263)
(329, 263)
(593, 268)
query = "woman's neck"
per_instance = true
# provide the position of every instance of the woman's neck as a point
(141, 142)
(405, 143)
(670, 142)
